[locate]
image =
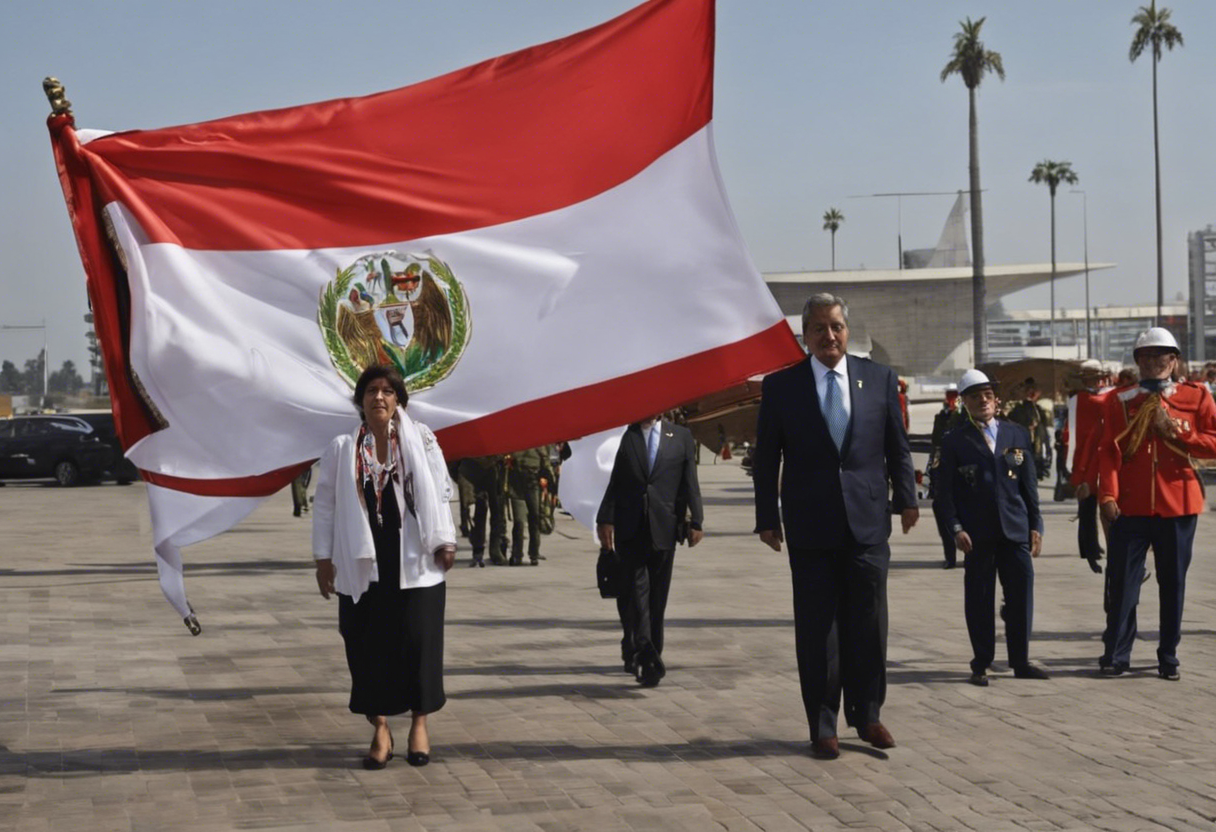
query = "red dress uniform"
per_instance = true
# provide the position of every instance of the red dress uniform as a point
(1089, 417)
(1153, 477)
(1148, 473)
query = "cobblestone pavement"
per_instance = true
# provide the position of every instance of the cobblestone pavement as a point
(113, 718)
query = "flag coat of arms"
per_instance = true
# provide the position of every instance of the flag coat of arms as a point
(540, 243)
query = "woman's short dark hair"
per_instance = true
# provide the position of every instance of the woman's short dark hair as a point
(371, 374)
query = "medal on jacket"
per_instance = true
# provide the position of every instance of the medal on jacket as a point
(1018, 457)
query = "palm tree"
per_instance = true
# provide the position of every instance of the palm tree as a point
(1155, 28)
(1053, 173)
(832, 218)
(972, 61)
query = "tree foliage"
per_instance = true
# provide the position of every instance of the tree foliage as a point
(1153, 28)
(1052, 174)
(66, 379)
(970, 59)
(11, 379)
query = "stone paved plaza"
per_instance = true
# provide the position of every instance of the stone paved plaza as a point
(112, 717)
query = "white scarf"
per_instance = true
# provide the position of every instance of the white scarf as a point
(430, 500)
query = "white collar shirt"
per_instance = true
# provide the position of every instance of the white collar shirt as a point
(821, 381)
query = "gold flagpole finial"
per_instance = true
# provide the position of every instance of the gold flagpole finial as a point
(55, 94)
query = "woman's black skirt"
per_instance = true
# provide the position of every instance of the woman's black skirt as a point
(394, 648)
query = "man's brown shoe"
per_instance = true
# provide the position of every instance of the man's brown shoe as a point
(825, 748)
(877, 735)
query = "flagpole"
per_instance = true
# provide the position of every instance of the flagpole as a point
(90, 237)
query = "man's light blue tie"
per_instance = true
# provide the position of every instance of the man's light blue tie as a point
(652, 446)
(833, 410)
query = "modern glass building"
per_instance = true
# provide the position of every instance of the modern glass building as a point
(1201, 259)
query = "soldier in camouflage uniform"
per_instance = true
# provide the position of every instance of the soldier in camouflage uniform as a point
(464, 490)
(526, 469)
(1029, 415)
(485, 474)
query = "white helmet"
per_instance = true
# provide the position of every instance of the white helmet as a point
(973, 379)
(1156, 337)
(1091, 365)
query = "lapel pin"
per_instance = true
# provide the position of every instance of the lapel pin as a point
(669, 434)
(858, 384)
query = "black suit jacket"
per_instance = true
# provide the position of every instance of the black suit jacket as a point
(637, 500)
(827, 494)
(989, 495)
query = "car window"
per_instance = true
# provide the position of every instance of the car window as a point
(6, 429)
(70, 425)
(32, 427)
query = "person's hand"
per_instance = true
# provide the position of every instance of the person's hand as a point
(1082, 491)
(604, 530)
(908, 518)
(325, 576)
(694, 537)
(445, 556)
(772, 538)
(1110, 511)
(962, 542)
(1036, 543)
(1164, 425)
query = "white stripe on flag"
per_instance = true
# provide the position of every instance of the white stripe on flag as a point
(648, 272)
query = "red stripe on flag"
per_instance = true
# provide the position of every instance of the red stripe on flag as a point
(107, 289)
(621, 400)
(259, 486)
(512, 137)
(564, 415)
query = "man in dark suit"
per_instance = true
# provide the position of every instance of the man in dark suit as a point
(833, 427)
(988, 495)
(652, 489)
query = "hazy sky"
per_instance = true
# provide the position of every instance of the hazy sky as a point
(815, 102)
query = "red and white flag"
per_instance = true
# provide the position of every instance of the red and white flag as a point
(540, 242)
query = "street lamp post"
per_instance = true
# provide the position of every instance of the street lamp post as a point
(1085, 226)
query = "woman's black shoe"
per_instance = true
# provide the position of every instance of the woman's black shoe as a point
(418, 758)
(372, 764)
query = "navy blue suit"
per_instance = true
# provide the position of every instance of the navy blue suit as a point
(837, 518)
(994, 497)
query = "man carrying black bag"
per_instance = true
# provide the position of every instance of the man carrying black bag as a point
(653, 501)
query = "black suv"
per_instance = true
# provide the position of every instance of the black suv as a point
(121, 470)
(63, 447)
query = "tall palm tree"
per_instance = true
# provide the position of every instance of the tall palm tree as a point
(972, 62)
(1053, 173)
(832, 218)
(1155, 28)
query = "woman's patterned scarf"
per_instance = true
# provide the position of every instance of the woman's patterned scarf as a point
(365, 463)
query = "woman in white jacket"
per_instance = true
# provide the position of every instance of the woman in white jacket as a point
(383, 537)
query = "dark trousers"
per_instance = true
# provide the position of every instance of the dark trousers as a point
(646, 583)
(488, 495)
(1130, 538)
(628, 648)
(1087, 528)
(947, 536)
(840, 633)
(1011, 562)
